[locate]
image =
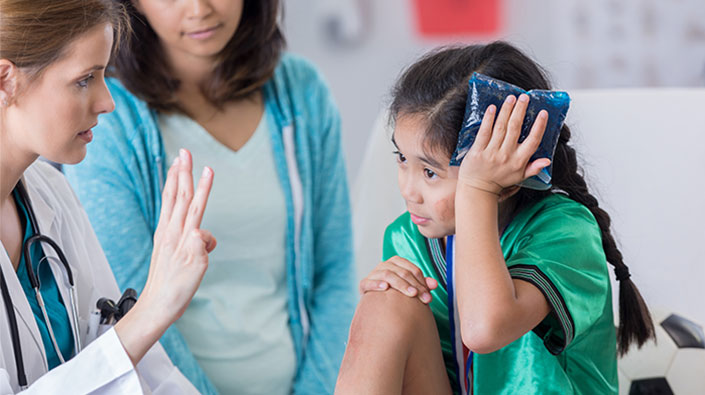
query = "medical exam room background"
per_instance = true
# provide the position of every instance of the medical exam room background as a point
(362, 45)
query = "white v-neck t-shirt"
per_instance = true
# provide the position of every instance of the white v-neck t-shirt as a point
(237, 324)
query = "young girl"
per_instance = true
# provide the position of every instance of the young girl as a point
(210, 75)
(521, 299)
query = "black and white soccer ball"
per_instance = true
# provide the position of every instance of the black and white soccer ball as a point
(673, 365)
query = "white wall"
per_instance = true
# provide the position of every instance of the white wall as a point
(583, 44)
(643, 152)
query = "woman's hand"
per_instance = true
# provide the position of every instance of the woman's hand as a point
(180, 255)
(179, 259)
(496, 160)
(401, 275)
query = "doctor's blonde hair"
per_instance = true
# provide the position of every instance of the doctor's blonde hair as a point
(35, 33)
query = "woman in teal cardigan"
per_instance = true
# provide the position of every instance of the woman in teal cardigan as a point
(120, 181)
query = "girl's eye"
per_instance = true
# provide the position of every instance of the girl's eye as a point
(400, 157)
(429, 173)
(84, 82)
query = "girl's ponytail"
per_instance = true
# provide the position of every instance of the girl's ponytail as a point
(635, 324)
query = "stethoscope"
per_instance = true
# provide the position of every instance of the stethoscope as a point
(37, 237)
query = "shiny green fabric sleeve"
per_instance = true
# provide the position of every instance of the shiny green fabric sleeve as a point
(556, 246)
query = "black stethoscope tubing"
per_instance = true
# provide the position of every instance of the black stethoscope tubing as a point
(9, 307)
(14, 332)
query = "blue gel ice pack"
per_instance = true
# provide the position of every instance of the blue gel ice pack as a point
(484, 91)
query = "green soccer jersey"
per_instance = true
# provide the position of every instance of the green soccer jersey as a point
(556, 245)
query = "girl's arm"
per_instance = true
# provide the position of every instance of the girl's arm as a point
(494, 309)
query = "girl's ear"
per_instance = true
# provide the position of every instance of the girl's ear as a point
(8, 82)
(506, 193)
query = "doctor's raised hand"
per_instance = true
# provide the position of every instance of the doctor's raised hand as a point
(179, 259)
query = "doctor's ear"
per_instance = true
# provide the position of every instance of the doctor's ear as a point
(9, 74)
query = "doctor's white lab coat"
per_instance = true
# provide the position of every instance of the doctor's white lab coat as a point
(103, 366)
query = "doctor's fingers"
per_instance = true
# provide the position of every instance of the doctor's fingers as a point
(168, 199)
(197, 243)
(200, 199)
(184, 194)
(209, 239)
(189, 267)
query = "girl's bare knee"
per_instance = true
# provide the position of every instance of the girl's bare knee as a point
(390, 313)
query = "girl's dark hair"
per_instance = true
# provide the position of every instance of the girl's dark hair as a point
(244, 66)
(436, 87)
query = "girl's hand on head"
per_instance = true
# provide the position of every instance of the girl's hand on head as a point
(496, 159)
(181, 247)
(402, 275)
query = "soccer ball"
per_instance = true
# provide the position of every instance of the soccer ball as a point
(674, 364)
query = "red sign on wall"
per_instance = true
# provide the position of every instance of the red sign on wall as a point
(457, 17)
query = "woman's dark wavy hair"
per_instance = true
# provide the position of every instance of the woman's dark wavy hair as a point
(245, 64)
(436, 87)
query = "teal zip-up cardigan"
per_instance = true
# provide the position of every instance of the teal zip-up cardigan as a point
(120, 181)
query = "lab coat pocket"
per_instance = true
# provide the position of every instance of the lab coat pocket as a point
(93, 327)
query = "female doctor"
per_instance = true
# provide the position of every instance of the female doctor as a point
(53, 55)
